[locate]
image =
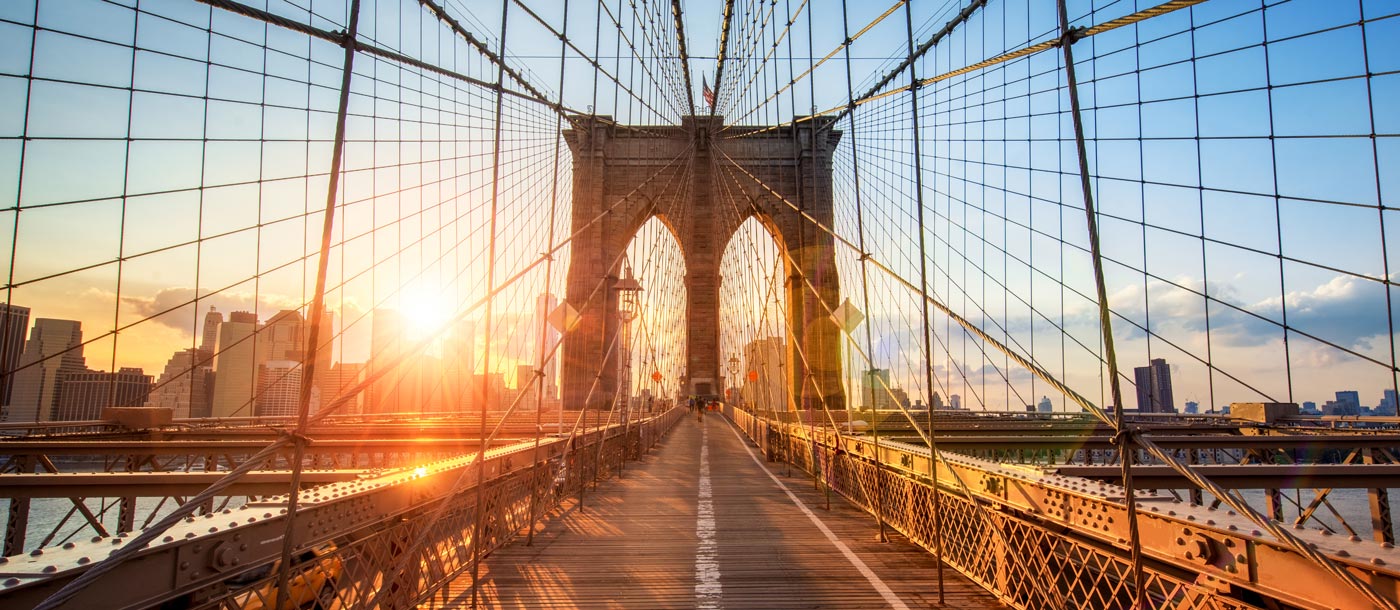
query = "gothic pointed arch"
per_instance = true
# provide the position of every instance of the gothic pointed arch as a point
(688, 176)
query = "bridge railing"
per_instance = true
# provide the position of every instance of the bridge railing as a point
(394, 539)
(1041, 540)
(71, 486)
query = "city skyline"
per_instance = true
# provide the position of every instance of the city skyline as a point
(116, 100)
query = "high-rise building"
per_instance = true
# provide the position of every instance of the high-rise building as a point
(1045, 406)
(954, 402)
(284, 336)
(1388, 404)
(458, 365)
(1154, 387)
(342, 377)
(1348, 402)
(14, 322)
(54, 347)
(287, 336)
(525, 383)
(874, 387)
(236, 366)
(489, 389)
(210, 337)
(763, 382)
(279, 389)
(187, 383)
(1192, 407)
(83, 394)
(544, 304)
(386, 345)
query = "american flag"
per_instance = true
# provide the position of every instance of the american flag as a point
(708, 93)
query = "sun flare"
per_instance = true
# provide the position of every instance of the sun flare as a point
(424, 313)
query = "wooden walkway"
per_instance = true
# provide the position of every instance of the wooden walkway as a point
(701, 523)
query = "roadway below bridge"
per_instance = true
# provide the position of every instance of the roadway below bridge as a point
(702, 522)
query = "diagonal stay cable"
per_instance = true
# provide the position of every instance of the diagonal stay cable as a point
(149, 535)
(935, 453)
(491, 56)
(726, 22)
(1161, 9)
(1283, 536)
(444, 501)
(679, 18)
(564, 39)
(844, 44)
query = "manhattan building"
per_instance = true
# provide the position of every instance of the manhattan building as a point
(55, 348)
(14, 323)
(1154, 387)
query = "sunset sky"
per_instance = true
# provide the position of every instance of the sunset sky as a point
(148, 162)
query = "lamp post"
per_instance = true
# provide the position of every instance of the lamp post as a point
(627, 309)
(733, 373)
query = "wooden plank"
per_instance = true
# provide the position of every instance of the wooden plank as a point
(634, 544)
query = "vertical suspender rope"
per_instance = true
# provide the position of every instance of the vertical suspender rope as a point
(308, 366)
(477, 529)
(540, 360)
(1123, 436)
(923, 289)
(868, 375)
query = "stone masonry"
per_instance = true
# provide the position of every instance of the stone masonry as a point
(684, 176)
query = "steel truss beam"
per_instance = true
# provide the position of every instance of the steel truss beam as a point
(1198, 551)
(197, 557)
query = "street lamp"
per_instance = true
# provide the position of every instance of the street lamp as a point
(733, 372)
(627, 310)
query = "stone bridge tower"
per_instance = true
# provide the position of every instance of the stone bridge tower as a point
(625, 175)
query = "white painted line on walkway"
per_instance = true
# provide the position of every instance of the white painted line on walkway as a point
(709, 594)
(880, 586)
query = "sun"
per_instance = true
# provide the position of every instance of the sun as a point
(425, 312)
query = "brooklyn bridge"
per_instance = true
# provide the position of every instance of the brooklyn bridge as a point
(1033, 304)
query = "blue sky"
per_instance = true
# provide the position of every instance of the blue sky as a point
(1230, 144)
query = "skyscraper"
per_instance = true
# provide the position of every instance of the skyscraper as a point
(210, 337)
(544, 304)
(185, 385)
(236, 366)
(766, 386)
(1388, 403)
(1045, 406)
(279, 389)
(1348, 402)
(14, 322)
(875, 386)
(458, 366)
(54, 347)
(525, 382)
(83, 394)
(408, 381)
(1154, 387)
(342, 377)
